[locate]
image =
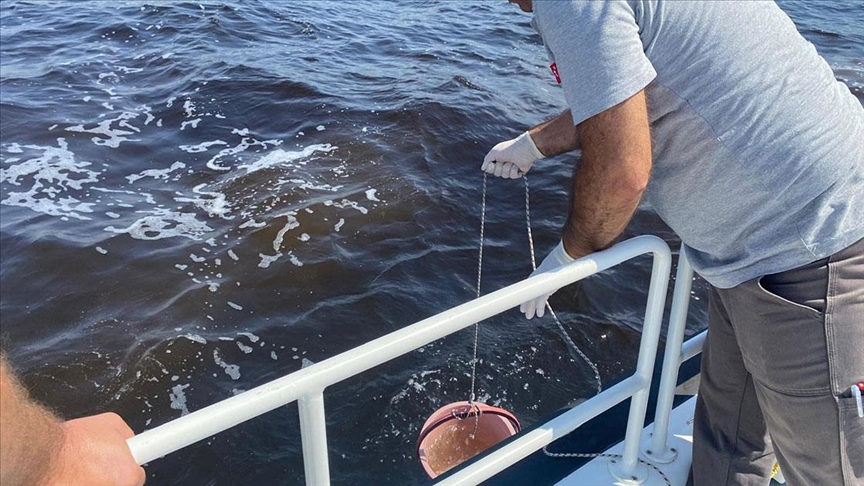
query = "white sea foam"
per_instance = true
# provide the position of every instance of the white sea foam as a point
(306, 185)
(54, 175)
(290, 225)
(231, 370)
(190, 123)
(194, 337)
(116, 136)
(156, 173)
(244, 144)
(266, 260)
(189, 108)
(164, 223)
(147, 112)
(370, 195)
(251, 223)
(296, 261)
(215, 205)
(201, 147)
(252, 337)
(282, 157)
(178, 399)
(345, 203)
(244, 348)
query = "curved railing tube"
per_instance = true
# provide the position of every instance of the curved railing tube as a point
(307, 385)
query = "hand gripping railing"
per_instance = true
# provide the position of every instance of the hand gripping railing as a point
(307, 385)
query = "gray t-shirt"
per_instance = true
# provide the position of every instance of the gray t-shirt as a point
(758, 150)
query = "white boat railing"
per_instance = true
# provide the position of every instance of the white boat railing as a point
(673, 356)
(307, 385)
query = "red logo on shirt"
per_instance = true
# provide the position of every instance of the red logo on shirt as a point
(554, 68)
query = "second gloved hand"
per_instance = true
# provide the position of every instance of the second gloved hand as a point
(557, 258)
(513, 158)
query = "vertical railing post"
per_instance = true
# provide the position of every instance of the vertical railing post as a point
(659, 450)
(313, 434)
(627, 470)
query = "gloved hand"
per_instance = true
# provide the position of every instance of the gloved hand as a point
(513, 158)
(557, 258)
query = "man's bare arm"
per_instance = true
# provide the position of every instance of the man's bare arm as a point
(30, 437)
(556, 136)
(37, 448)
(609, 181)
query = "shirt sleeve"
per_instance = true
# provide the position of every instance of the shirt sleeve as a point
(598, 52)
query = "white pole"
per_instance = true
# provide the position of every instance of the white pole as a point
(313, 433)
(693, 346)
(659, 450)
(626, 469)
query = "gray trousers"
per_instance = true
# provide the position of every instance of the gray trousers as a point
(781, 355)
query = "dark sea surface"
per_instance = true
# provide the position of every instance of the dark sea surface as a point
(198, 198)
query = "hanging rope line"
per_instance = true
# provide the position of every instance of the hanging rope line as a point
(473, 395)
(479, 280)
(548, 306)
(573, 346)
(561, 328)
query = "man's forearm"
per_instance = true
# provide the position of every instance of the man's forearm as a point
(31, 435)
(556, 136)
(610, 179)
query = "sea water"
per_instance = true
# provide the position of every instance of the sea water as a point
(199, 197)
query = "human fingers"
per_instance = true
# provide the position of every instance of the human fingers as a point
(528, 309)
(512, 171)
(499, 169)
(540, 305)
(488, 161)
(490, 167)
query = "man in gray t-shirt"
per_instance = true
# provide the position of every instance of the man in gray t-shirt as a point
(755, 157)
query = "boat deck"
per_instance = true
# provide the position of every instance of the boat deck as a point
(596, 471)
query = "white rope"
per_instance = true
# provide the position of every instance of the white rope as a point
(566, 336)
(612, 456)
(548, 306)
(473, 395)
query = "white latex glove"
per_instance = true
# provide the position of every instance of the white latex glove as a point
(513, 158)
(557, 258)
